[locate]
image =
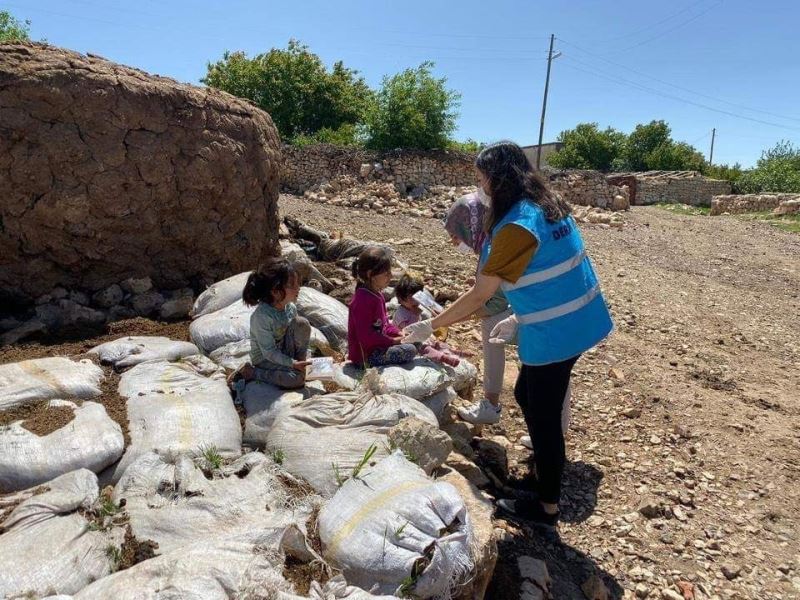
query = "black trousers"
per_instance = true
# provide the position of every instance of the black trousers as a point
(540, 394)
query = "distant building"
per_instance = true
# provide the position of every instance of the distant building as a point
(547, 150)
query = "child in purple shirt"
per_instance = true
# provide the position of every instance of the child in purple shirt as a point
(371, 338)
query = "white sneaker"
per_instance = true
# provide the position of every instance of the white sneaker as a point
(525, 440)
(481, 413)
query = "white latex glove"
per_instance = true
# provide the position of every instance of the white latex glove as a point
(418, 332)
(504, 331)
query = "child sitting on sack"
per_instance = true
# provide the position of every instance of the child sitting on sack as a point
(410, 312)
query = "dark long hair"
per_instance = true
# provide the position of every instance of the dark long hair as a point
(274, 274)
(372, 261)
(511, 179)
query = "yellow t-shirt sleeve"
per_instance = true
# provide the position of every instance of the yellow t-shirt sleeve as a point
(512, 250)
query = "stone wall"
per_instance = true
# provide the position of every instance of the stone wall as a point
(588, 188)
(732, 204)
(308, 167)
(676, 187)
(108, 173)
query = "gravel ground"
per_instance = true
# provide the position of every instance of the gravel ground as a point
(684, 448)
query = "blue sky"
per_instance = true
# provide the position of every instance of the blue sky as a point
(623, 62)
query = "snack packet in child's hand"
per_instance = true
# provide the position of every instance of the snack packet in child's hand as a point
(425, 298)
(320, 368)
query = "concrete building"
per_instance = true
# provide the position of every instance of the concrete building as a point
(547, 150)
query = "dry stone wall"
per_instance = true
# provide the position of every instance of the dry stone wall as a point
(588, 188)
(732, 204)
(108, 173)
(685, 187)
(308, 167)
(324, 170)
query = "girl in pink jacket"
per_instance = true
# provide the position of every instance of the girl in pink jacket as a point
(372, 339)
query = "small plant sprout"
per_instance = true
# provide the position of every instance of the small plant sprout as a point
(278, 456)
(398, 533)
(337, 474)
(114, 555)
(212, 457)
(364, 460)
(107, 507)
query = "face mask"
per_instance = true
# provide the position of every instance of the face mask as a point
(484, 199)
(463, 248)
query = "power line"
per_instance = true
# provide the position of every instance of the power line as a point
(652, 25)
(665, 32)
(700, 139)
(639, 86)
(679, 87)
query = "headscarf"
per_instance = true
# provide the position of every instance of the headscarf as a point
(465, 220)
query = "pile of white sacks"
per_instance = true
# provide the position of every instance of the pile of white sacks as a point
(228, 505)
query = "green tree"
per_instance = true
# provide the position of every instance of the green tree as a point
(643, 141)
(587, 147)
(412, 109)
(724, 172)
(468, 145)
(778, 170)
(12, 29)
(346, 135)
(675, 156)
(294, 87)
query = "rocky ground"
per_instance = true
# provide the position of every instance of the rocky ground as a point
(685, 444)
(685, 441)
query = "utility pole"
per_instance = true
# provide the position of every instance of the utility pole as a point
(544, 102)
(711, 155)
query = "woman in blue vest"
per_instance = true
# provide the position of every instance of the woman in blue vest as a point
(535, 254)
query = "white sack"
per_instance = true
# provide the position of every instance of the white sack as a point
(232, 356)
(263, 402)
(47, 548)
(336, 588)
(221, 294)
(326, 314)
(173, 409)
(439, 402)
(378, 526)
(463, 376)
(48, 379)
(129, 351)
(172, 503)
(319, 342)
(217, 569)
(230, 324)
(91, 441)
(337, 429)
(418, 378)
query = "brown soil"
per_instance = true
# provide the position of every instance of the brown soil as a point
(134, 551)
(39, 418)
(54, 346)
(312, 527)
(297, 488)
(114, 403)
(301, 574)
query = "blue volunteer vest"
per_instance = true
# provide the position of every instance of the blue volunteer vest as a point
(557, 301)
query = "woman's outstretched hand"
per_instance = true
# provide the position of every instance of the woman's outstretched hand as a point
(418, 332)
(504, 331)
